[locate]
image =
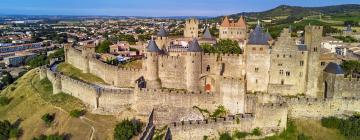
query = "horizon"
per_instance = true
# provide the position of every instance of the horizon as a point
(156, 8)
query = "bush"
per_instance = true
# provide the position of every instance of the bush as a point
(36, 61)
(14, 133)
(77, 113)
(225, 136)
(126, 129)
(349, 127)
(330, 122)
(8, 130)
(48, 118)
(256, 132)
(50, 137)
(240, 135)
(4, 101)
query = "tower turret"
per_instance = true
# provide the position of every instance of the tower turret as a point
(162, 38)
(193, 66)
(152, 65)
(313, 37)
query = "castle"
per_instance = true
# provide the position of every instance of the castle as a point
(255, 87)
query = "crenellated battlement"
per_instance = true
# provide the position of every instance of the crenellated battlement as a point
(274, 105)
(222, 55)
(167, 57)
(228, 119)
(174, 91)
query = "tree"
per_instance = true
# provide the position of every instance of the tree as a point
(103, 47)
(225, 136)
(126, 129)
(59, 53)
(8, 130)
(350, 67)
(77, 113)
(223, 46)
(4, 101)
(138, 30)
(36, 61)
(7, 79)
(48, 118)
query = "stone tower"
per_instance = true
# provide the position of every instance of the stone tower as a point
(193, 66)
(191, 28)
(313, 37)
(257, 55)
(151, 64)
(87, 52)
(162, 38)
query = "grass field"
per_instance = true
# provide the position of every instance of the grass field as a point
(75, 73)
(136, 64)
(32, 98)
(306, 129)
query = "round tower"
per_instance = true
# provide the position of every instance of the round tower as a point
(193, 66)
(162, 38)
(152, 65)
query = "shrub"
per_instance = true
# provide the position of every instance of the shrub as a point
(50, 137)
(77, 113)
(8, 130)
(330, 122)
(14, 133)
(225, 136)
(48, 118)
(126, 129)
(4, 101)
(240, 135)
(256, 132)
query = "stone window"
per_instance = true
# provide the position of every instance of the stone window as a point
(301, 63)
(256, 69)
(282, 81)
(287, 73)
(315, 49)
(256, 81)
(253, 48)
(300, 74)
(261, 49)
(278, 55)
(281, 72)
(290, 56)
(279, 64)
(322, 63)
(284, 56)
(208, 68)
(193, 61)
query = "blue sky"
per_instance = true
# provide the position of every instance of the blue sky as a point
(151, 7)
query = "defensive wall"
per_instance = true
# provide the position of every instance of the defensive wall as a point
(120, 77)
(269, 118)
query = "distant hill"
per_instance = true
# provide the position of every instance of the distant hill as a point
(299, 12)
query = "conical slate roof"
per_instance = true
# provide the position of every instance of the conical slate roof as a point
(168, 135)
(152, 47)
(334, 68)
(194, 46)
(162, 32)
(207, 34)
(259, 37)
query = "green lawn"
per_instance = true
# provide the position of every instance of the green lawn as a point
(75, 73)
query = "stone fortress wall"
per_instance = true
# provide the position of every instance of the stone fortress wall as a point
(229, 79)
(170, 105)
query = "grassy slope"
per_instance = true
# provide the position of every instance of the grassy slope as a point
(73, 72)
(316, 131)
(309, 128)
(28, 104)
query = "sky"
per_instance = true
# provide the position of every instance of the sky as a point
(151, 7)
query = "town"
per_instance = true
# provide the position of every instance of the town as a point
(184, 78)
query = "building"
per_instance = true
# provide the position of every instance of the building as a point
(18, 59)
(236, 30)
(191, 28)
